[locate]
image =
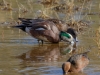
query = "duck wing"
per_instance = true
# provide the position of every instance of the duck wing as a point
(41, 22)
(61, 25)
(29, 22)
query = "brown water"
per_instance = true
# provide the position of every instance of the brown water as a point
(20, 54)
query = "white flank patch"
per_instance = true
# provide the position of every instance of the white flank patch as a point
(27, 29)
(40, 29)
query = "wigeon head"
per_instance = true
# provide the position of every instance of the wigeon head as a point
(73, 33)
(70, 36)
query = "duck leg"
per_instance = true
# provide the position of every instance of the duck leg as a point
(42, 42)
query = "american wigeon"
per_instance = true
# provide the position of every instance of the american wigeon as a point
(50, 30)
(76, 63)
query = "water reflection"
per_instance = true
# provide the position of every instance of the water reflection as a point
(68, 49)
(43, 59)
(48, 53)
(76, 73)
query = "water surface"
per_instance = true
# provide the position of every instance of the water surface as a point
(20, 54)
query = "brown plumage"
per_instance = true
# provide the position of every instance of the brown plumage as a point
(45, 30)
(76, 63)
(32, 22)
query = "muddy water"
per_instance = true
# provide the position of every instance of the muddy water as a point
(20, 54)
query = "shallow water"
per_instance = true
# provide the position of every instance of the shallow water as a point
(20, 54)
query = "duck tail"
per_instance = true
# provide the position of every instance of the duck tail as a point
(19, 26)
(25, 21)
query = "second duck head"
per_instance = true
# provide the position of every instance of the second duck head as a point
(70, 35)
(73, 33)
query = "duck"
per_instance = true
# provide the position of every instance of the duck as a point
(61, 25)
(50, 30)
(70, 35)
(76, 63)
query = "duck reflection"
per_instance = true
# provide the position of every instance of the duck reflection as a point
(81, 73)
(47, 53)
(69, 49)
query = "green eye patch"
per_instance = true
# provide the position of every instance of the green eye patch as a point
(65, 34)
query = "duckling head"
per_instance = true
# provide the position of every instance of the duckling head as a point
(66, 67)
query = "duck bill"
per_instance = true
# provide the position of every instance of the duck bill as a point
(76, 40)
